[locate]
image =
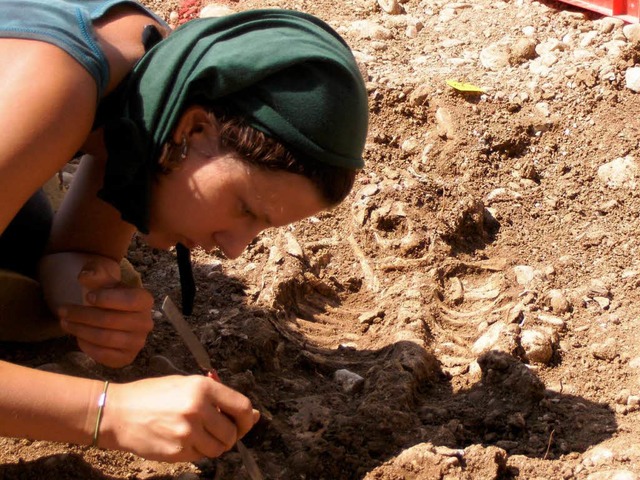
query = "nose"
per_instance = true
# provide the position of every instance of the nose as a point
(233, 242)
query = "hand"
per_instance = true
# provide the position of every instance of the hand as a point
(113, 323)
(175, 418)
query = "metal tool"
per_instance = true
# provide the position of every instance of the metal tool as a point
(204, 362)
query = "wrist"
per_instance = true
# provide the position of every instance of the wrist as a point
(102, 400)
(92, 410)
(110, 421)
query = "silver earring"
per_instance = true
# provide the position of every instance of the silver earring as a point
(184, 148)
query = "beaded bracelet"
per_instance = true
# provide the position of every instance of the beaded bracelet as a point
(102, 399)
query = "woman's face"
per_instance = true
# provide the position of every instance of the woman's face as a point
(225, 203)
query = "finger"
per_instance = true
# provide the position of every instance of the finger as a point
(106, 319)
(110, 357)
(105, 338)
(234, 405)
(192, 454)
(95, 275)
(209, 445)
(184, 454)
(121, 298)
(219, 426)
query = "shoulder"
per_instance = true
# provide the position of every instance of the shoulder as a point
(120, 34)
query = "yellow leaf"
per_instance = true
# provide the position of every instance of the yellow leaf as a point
(464, 87)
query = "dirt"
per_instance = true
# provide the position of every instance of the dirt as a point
(470, 312)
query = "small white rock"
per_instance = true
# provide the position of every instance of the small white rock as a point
(620, 172)
(488, 339)
(495, 57)
(213, 10)
(632, 79)
(524, 274)
(613, 475)
(349, 381)
(537, 345)
(556, 322)
(391, 7)
(597, 456)
(632, 32)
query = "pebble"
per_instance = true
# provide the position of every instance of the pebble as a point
(370, 316)
(369, 29)
(632, 79)
(588, 38)
(621, 172)
(558, 301)
(597, 288)
(488, 339)
(604, 302)
(623, 396)
(292, 246)
(556, 323)
(522, 50)
(607, 350)
(349, 381)
(391, 7)
(501, 194)
(537, 344)
(524, 274)
(613, 475)
(445, 126)
(495, 56)
(597, 456)
(632, 32)
(213, 10)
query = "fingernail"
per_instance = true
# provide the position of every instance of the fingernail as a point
(256, 416)
(87, 272)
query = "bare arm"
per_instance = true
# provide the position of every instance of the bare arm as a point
(170, 419)
(47, 406)
(85, 223)
(45, 117)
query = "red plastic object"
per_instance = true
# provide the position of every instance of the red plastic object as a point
(627, 10)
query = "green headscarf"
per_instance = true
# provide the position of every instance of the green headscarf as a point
(288, 73)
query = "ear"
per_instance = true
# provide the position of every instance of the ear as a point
(196, 124)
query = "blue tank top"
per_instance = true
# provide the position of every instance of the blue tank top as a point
(68, 24)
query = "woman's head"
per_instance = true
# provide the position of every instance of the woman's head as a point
(223, 182)
(285, 74)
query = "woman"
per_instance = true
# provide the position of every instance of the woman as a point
(204, 138)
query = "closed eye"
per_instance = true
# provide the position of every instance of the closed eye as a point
(247, 212)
